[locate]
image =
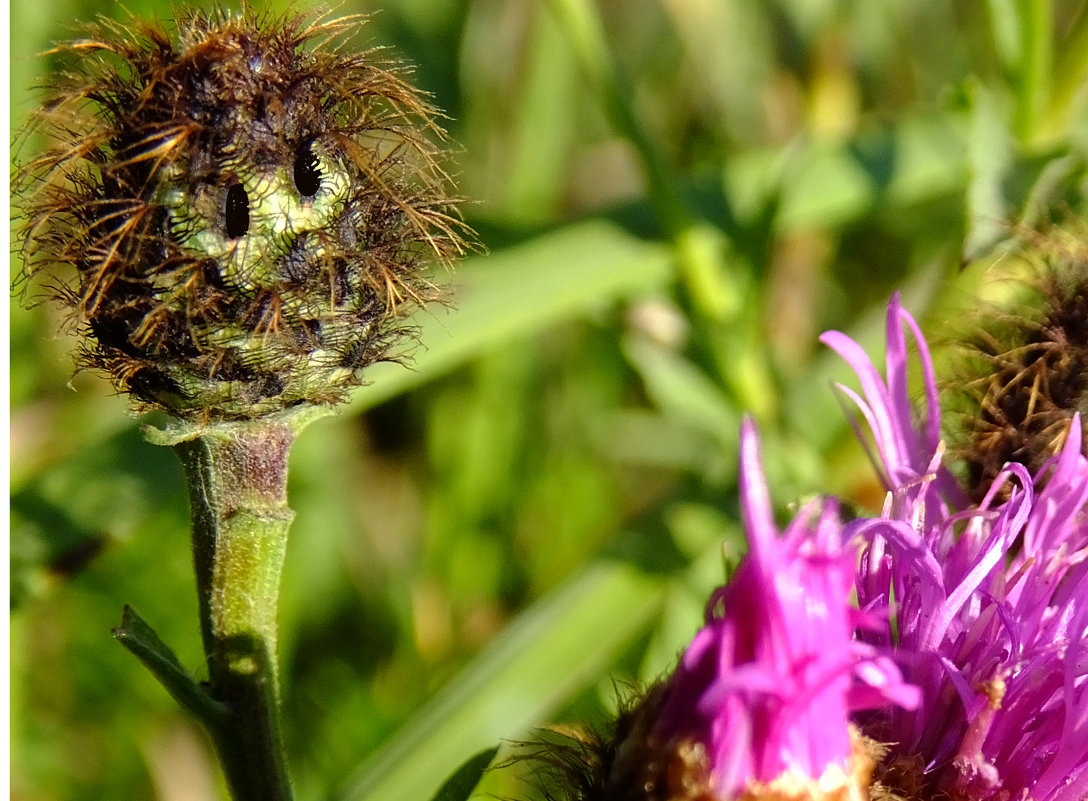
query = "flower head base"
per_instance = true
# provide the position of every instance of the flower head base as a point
(982, 605)
(245, 205)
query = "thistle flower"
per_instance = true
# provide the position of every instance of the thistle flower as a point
(961, 674)
(234, 213)
(766, 688)
(759, 706)
(982, 604)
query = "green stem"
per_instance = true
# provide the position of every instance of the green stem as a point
(237, 477)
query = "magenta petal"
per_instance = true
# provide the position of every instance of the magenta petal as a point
(984, 607)
(768, 684)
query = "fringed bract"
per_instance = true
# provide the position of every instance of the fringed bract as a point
(627, 763)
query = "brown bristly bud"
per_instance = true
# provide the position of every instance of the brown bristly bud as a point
(237, 211)
(1029, 363)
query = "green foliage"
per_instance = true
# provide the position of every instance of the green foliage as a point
(460, 785)
(677, 197)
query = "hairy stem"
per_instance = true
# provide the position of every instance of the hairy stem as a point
(237, 475)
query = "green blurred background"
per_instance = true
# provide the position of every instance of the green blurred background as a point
(676, 198)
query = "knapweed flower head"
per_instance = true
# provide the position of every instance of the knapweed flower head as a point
(760, 705)
(764, 693)
(983, 604)
(938, 650)
(235, 210)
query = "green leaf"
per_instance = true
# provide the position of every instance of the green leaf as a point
(1005, 28)
(138, 637)
(683, 391)
(990, 155)
(829, 184)
(520, 291)
(551, 652)
(460, 785)
(546, 77)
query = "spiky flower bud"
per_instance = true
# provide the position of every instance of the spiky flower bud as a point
(235, 212)
(1029, 371)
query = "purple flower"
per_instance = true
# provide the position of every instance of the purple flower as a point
(766, 688)
(937, 651)
(984, 606)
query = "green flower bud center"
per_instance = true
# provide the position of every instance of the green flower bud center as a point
(276, 214)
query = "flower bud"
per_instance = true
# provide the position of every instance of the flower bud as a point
(1029, 371)
(235, 213)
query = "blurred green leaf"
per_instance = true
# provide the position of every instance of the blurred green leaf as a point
(460, 785)
(684, 392)
(990, 155)
(516, 292)
(542, 659)
(533, 189)
(1070, 72)
(832, 183)
(1005, 26)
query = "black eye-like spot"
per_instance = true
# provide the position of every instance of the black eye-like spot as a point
(307, 173)
(237, 211)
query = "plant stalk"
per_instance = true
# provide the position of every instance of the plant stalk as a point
(237, 476)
